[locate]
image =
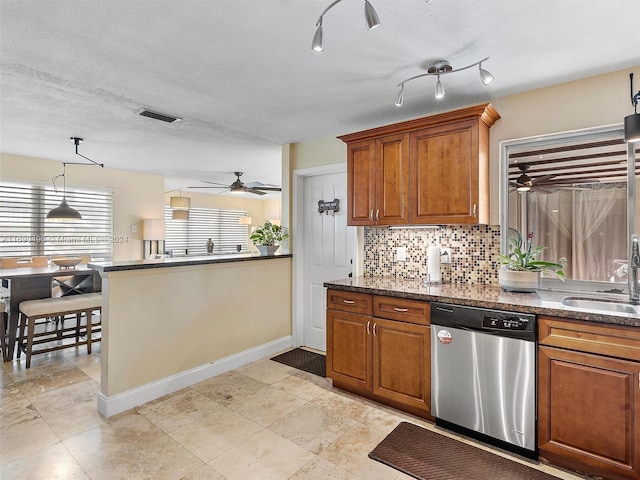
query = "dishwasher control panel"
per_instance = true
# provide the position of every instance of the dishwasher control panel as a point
(507, 322)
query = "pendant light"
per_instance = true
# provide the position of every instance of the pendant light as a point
(632, 122)
(180, 202)
(63, 212)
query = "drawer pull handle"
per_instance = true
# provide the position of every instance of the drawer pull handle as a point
(368, 327)
(374, 329)
(348, 302)
(401, 310)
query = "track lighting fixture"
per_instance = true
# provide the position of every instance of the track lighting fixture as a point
(63, 212)
(370, 18)
(443, 67)
(632, 122)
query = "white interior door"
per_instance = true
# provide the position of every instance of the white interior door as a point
(328, 251)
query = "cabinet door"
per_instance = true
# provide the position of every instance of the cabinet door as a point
(587, 406)
(402, 363)
(349, 348)
(392, 180)
(445, 174)
(361, 183)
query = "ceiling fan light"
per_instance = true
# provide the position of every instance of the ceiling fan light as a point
(523, 188)
(63, 213)
(370, 16)
(317, 44)
(400, 97)
(439, 89)
(485, 76)
(632, 128)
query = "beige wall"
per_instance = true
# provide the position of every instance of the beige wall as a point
(183, 317)
(592, 102)
(136, 196)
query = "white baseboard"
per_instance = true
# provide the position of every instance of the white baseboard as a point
(114, 404)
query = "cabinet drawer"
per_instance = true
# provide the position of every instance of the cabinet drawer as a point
(412, 311)
(611, 340)
(349, 301)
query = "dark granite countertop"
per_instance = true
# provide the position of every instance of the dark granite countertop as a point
(181, 261)
(544, 302)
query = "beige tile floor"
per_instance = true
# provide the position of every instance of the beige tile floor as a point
(263, 421)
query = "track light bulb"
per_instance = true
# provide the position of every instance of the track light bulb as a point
(485, 77)
(370, 15)
(318, 39)
(400, 97)
(439, 89)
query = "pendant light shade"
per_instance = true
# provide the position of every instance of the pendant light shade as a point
(400, 97)
(180, 214)
(318, 39)
(180, 203)
(63, 213)
(632, 128)
(485, 76)
(632, 122)
(439, 89)
(370, 16)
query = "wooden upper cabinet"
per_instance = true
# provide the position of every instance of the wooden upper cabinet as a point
(361, 163)
(378, 181)
(445, 174)
(432, 170)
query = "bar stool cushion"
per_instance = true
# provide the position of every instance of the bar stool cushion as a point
(60, 305)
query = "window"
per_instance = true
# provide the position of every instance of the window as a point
(191, 236)
(571, 190)
(24, 231)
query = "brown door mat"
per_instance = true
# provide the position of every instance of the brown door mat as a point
(303, 360)
(427, 455)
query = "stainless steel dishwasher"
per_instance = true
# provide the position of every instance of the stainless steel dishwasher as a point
(483, 371)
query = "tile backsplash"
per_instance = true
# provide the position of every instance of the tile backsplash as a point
(473, 250)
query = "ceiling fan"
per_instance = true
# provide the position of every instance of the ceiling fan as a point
(238, 186)
(524, 182)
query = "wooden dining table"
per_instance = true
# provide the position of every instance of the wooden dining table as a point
(31, 283)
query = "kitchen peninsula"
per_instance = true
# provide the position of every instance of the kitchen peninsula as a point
(169, 323)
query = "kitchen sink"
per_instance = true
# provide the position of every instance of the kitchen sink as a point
(603, 305)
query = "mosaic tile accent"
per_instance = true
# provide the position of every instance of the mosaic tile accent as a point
(473, 250)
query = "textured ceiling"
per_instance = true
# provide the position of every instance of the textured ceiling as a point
(244, 79)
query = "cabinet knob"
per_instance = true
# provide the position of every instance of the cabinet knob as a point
(371, 215)
(374, 329)
(401, 310)
(475, 207)
(377, 215)
(348, 302)
(368, 329)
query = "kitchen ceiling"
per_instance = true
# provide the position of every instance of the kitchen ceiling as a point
(244, 80)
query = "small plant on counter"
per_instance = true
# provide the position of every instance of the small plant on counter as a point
(269, 234)
(521, 257)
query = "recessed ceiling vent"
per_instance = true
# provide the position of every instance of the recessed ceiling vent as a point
(159, 116)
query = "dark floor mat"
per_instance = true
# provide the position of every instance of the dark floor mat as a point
(427, 455)
(303, 360)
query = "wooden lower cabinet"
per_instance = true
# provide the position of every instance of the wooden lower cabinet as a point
(588, 404)
(402, 363)
(385, 360)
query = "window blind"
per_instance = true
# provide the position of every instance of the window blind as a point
(222, 226)
(24, 231)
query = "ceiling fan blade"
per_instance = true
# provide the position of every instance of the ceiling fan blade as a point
(209, 187)
(215, 183)
(541, 179)
(268, 189)
(253, 190)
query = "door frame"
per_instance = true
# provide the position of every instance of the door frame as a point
(299, 240)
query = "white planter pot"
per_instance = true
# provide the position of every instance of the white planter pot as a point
(267, 249)
(519, 281)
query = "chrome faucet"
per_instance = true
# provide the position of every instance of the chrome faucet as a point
(634, 265)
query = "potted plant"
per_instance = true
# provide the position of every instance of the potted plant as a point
(267, 237)
(520, 271)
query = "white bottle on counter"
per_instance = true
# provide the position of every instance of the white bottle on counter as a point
(433, 265)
